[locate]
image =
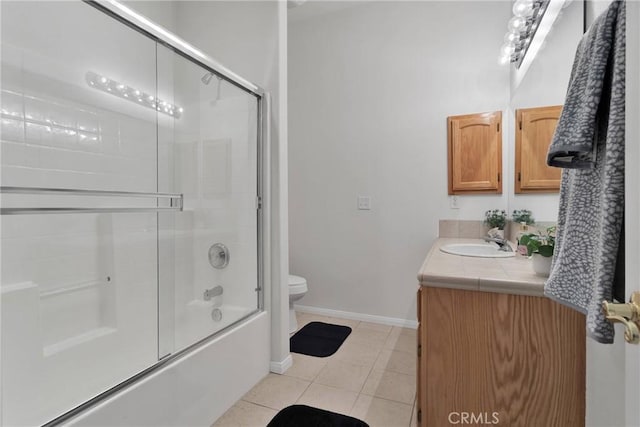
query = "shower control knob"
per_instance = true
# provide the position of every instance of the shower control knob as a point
(218, 255)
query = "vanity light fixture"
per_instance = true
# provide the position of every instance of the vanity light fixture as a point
(527, 15)
(139, 97)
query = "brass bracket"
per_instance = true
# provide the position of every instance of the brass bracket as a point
(628, 314)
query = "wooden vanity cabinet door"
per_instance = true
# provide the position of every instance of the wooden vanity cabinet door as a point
(475, 153)
(534, 131)
(520, 357)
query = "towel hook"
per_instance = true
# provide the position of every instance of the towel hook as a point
(627, 314)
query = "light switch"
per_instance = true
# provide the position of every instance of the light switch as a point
(364, 203)
(453, 202)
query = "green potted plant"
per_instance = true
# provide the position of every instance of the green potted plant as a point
(540, 248)
(523, 217)
(496, 218)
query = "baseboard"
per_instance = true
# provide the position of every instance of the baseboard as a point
(392, 321)
(282, 366)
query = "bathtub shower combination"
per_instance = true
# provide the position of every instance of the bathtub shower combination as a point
(131, 193)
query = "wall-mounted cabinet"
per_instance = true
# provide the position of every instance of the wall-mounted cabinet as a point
(534, 131)
(475, 153)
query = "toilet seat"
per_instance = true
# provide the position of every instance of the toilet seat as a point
(297, 285)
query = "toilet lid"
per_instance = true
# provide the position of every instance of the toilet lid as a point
(296, 280)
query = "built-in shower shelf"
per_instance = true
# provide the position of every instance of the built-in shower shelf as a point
(72, 288)
(77, 340)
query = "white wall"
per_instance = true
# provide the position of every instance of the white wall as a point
(371, 87)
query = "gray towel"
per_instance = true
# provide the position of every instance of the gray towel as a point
(589, 144)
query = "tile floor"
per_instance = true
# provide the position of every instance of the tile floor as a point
(371, 377)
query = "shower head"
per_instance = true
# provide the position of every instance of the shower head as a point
(206, 79)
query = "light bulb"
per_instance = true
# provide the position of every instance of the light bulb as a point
(508, 49)
(517, 24)
(180, 109)
(151, 98)
(511, 37)
(103, 80)
(523, 8)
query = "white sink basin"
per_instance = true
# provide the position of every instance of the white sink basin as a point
(480, 250)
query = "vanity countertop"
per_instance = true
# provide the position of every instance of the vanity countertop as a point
(504, 275)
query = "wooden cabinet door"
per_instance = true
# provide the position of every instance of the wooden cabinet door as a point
(534, 131)
(502, 359)
(475, 153)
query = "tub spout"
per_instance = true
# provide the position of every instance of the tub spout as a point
(213, 292)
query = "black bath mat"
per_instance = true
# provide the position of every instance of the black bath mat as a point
(319, 339)
(306, 416)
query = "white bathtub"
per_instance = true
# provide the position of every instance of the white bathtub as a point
(195, 389)
(196, 322)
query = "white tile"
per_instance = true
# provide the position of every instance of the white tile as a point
(344, 322)
(401, 342)
(306, 367)
(343, 375)
(328, 398)
(357, 352)
(375, 327)
(246, 414)
(381, 412)
(391, 385)
(370, 334)
(276, 391)
(396, 361)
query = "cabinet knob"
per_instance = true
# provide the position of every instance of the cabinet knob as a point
(628, 314)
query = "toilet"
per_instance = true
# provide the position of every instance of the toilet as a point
(297, 289)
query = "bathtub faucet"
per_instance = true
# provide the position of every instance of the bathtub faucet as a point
(213, 292)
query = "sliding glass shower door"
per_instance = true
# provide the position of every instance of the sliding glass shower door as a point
(208, 251)
(78, 290)
(129, 206)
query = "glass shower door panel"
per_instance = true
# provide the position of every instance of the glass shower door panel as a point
(208, 252)
(78, 291)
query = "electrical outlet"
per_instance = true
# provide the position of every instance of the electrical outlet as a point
(453, 202)
(364, 203)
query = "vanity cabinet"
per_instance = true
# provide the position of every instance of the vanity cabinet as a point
(475, 153)
(534, 131)
(497, 358)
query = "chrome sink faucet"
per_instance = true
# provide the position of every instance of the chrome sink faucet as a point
(503, 243)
